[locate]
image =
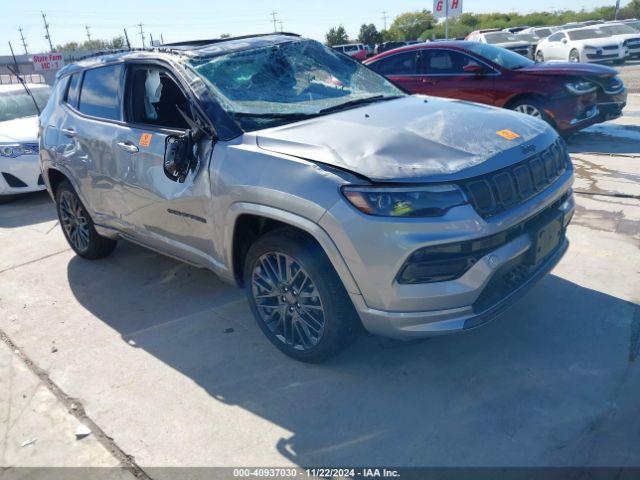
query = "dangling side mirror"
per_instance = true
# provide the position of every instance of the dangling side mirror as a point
(177, 157)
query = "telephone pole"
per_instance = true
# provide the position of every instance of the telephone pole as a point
(126, 37)
(141, 35)
(384, 19)
(273, 15)
(46, 29)
(281, 27)
(24, 42)
(88, 32)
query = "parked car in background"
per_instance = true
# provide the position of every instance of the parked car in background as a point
(565, 95)
(354, 50)
(633, 23)
(335, 199)
(591, 23)
(572, 25)
(525, 46)
(627, 35)
(539, 32)
(516, 29)
(386, 46)
(589, 44)
(19, 167)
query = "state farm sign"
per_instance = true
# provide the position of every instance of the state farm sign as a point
(49, 61)
(440, 8)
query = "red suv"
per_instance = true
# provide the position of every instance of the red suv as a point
(569, 96)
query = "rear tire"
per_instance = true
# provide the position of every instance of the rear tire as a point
(78, 227)
(297, 298)
(539, 57)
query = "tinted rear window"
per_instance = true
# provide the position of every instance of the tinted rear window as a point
(74, 90)
(101, 93)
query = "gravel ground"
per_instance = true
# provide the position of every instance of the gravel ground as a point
(630, 73)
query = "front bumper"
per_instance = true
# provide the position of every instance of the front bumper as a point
(375, 252)
(573, 113)
(611, 106)
(20, 175)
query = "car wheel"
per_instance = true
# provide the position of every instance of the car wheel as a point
(531, 107)
(574, 56)
(539, 56)
(297, 297)
(77, 226)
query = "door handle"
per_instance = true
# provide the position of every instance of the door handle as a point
(69, 132)
(428, 81)
(127, 147)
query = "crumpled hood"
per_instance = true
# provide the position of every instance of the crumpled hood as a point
(412, 139)
(19, 130)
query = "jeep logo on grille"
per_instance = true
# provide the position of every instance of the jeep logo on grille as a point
(527, 149)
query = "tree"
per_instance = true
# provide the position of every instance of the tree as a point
(337, 36)
(409, 26)
(369, 34)
(225, 35)
(117, 43)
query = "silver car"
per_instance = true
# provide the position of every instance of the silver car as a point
(335, 199)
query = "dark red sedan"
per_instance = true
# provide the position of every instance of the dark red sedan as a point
(570, 96)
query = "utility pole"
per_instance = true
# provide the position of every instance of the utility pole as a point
(161, 39)
(126, 37)
(141, 35)
(280, 23)
(88, 32)
(384, 19)
(273, 15)
(24, 43)
(15, 62)
(46, 28)
(151, 37)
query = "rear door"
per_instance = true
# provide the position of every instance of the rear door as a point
(402, 69)
(163, 213)
(448, 73)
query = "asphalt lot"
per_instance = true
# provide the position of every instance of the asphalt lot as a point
(168, 363)
(630, 73)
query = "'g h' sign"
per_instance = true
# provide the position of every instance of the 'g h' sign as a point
(439, 8)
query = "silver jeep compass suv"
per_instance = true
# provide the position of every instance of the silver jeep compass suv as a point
(335, 199)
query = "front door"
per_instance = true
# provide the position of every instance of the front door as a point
(170, 215)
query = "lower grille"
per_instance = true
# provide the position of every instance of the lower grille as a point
(13, 181)
(498, 191)
(506, 280)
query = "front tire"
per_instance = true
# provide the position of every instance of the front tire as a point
(539, 57)
(531, 107)
(297, 298)
(78, 227)
(574, 56)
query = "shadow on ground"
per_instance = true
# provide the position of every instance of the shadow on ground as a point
(27, 209)
(544, 384)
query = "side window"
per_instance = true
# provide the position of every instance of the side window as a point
(556, 37)
(73, 92)
(101, 93)
(154, 98)
(445, 62)
(399, 64)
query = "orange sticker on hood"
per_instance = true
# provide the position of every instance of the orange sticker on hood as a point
(508, 134)
(145, 140)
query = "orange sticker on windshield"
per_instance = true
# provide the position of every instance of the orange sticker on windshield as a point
(508, 134)
(145, 140)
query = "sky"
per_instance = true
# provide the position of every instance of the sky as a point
(177, 20)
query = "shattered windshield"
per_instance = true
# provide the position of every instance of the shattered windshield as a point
(281, 83)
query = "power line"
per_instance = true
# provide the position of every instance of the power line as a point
(24, 42)
(141, 35)
(46, 28)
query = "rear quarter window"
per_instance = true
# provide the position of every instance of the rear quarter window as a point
(101, 94)
(73, 92)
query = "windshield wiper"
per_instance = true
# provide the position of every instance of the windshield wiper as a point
(357, 102)
(285, 116)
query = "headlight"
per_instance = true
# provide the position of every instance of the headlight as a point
(431, 201)
(14, 150)
(580, 88)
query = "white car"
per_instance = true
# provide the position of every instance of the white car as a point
(19, 165)
(539, 32)
(522, 44)
(625, 34)
(589, 44)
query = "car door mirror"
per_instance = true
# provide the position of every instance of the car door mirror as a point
(564, 40)
(177, 157)
(474, 68)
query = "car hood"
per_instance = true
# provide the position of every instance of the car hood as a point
(598, 42)
(570, 69)
(19, 130)
(627, 36)
(412, 139)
